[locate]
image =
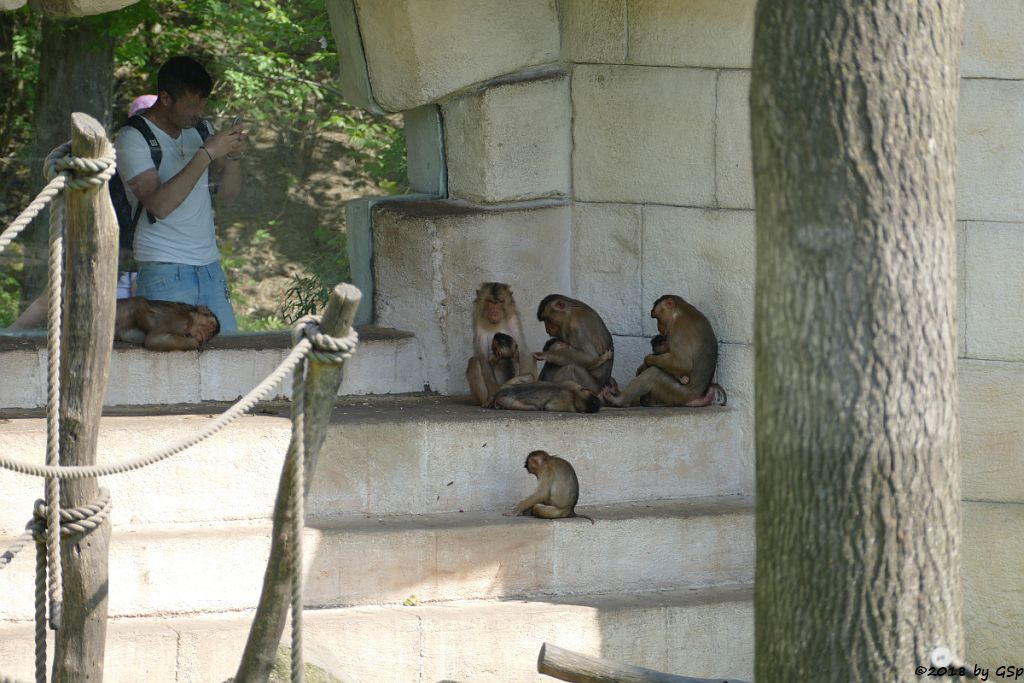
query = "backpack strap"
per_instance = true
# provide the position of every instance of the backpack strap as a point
(155, 153)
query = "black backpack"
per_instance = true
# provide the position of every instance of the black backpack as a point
(127, 218)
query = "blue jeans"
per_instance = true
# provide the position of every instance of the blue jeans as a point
(196, 285)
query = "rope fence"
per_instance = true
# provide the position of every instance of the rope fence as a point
(49, 522)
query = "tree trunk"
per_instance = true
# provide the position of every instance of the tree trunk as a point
(322, 382)
(86, 342)
(76, 68)
(853, 113)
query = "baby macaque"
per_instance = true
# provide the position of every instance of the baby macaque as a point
(504, 358)
(659, 345)
(557, 491)
(559, 353)
(566, 397)
(164, 325)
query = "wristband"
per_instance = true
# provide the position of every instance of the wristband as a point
(207, 153)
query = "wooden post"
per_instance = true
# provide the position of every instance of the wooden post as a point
(86, 342)
(566, 665)
(322, 382)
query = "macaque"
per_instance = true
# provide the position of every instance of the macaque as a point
(566, 397)
(494, 311)
(559, 353)
(557, 491)
(682, 375)
(659, 345)
(164, 325)
(504, 358)
(587, 356)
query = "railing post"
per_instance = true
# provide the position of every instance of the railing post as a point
(321, 389)
(87, 337)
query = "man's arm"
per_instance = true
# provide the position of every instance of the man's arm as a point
(227, 171)
(162, 198)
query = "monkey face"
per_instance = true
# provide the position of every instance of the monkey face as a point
(494, 309)
(204, 324)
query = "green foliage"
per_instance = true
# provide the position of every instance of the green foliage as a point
(10, 294)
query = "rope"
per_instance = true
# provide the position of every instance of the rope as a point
(72, 523)
(243, 404)
(59, 167)
(53, 332)
(50, 522)
(296, 474)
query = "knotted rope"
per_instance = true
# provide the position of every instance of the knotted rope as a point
(73, 522)
(49, 522)
(326, 349)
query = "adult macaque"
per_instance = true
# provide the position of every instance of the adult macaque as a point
(164, 325)
(557, 491)
(589, 349)
(682, 375)
(566, 397)
(494, 311)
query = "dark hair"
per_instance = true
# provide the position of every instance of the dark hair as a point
(544, 303)
(181, 75)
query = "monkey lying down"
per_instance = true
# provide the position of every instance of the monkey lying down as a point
(164, 325)
(557, 491)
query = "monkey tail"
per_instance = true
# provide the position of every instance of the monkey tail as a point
(576, 514)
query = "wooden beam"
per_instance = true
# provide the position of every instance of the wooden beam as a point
(87, 338)
(566, 665)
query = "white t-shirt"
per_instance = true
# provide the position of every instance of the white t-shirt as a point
(186, 235)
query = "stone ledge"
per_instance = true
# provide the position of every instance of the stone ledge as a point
(255, 341)
(487, 640)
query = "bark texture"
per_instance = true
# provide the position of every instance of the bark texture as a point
(76, 68)
(853, 113)
(86, 342)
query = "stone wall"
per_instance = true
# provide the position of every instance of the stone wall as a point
(629, 121)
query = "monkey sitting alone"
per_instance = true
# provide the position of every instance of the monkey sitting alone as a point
(164, 325)
(567, 397)
(557, 490)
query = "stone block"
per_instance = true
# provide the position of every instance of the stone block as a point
(994, 290)
(593, 30)
(353, 76)
(961, 289)
(630, 145)
(76, 8)
(25, 380)
(706, 257)
(736, 375)
(226, 375)
(992, 46)
(138, 377)
(424, 139)
(707, 33)
(992, 430)
(990, 159)
(430, 258)
(993, 553)
(511, 141)
(419, 51)
(606, 263)
(734, 187)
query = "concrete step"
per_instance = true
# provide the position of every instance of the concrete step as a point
(705, 633)
(386, 362)
(391, 456)
(637, 547)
